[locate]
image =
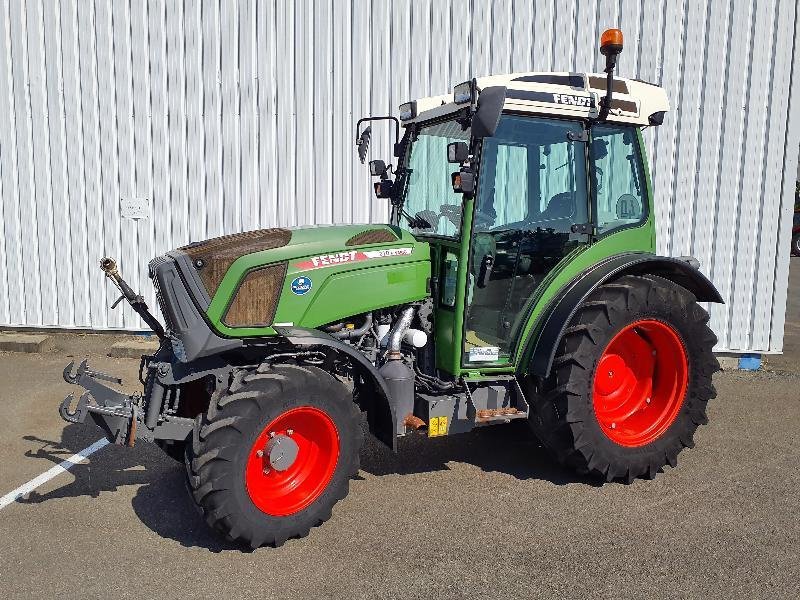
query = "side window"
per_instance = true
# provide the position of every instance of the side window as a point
(617, 178)
(532, 176)
(507, 198)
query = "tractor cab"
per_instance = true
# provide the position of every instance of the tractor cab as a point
(509, 210)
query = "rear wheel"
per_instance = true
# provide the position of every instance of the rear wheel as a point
(274, 453)
(630, 381)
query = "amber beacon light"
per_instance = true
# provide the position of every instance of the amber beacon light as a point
(610, 47)
(611, 42)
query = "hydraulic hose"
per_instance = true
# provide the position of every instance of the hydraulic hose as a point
(349, 334)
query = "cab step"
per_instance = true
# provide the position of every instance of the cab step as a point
(484, 402)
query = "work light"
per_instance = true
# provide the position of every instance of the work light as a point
(408, 111)
(464, 93)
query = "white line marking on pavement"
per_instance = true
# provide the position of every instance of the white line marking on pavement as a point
(62, 467)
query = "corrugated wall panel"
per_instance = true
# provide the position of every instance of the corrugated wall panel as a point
(229, 116)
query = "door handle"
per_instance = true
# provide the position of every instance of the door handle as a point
(487, 262)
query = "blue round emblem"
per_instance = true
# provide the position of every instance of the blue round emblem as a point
(301, 285)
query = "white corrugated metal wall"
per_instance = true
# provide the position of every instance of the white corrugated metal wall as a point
(237, 115)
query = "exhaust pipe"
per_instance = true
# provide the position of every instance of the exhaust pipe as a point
(396, 333)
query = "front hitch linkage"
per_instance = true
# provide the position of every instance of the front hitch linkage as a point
(114, 412)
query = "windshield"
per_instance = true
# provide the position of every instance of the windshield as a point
(429, 192)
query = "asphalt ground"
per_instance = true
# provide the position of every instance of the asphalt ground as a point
(486, 514)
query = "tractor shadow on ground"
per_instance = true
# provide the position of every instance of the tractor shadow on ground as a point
(163, 504)
(511, 449)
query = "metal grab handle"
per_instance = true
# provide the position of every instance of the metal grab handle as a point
(486, 270)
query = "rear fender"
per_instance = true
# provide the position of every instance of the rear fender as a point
(682, 271)
(373, 393)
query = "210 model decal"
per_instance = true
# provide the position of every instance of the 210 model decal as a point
(338, 258)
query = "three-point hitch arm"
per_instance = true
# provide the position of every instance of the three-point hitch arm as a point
(109, 267)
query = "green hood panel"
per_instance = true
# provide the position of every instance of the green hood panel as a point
(332, 272)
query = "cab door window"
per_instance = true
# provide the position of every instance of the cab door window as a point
(531, 190)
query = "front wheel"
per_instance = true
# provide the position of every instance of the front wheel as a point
(796, 244)
(274, 453)
(630, 380)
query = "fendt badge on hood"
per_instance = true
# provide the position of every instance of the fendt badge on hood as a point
(338, 258)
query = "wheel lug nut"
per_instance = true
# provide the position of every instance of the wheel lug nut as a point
(648, 401)
(272, 434)
(259, 453)
(613, 426)
(289, 431)
(266, 471)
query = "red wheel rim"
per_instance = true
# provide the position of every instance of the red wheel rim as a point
(640, 383)
(281, 493)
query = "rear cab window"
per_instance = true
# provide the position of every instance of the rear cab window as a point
(618, 183)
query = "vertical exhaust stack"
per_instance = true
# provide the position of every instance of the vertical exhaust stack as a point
(397, 374)
(610, 47)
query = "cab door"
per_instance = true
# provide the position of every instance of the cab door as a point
(532, 210)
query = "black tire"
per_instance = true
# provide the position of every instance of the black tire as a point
(796, 244)
(564, 417)
(223, 439)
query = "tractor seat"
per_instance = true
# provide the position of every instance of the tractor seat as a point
(561, 206)
(559, 214)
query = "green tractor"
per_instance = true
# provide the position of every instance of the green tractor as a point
(517, 280)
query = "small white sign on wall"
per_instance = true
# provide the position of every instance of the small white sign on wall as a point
(136, 208)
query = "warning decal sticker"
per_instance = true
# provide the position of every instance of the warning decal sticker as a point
(437, 426)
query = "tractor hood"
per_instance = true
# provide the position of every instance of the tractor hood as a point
(305, 277)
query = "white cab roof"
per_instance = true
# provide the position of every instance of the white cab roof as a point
(561, 94)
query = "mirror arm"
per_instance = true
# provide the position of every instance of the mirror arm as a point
(383, 118)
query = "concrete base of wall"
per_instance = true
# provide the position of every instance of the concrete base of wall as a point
(134, 348)
(741, 362)
(25, 342)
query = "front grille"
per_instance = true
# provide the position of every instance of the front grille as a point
(256, 298)
(152, 267)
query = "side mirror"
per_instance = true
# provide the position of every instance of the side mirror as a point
(377, 168)
(463, 181)
(457, 152)
(383, 188)
(487, 115)
(363, 143)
